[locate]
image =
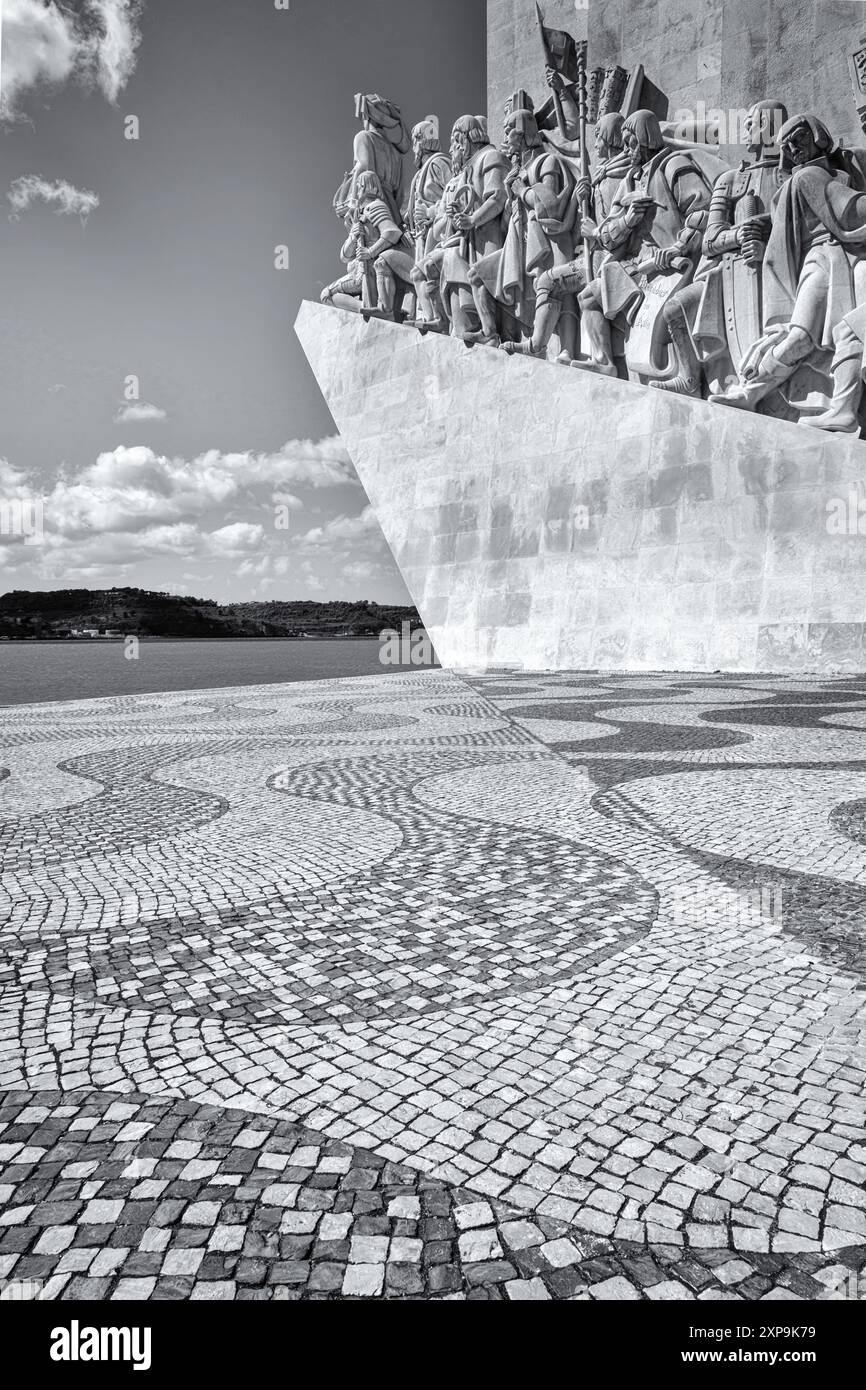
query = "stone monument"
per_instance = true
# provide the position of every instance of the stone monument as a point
(674, 502)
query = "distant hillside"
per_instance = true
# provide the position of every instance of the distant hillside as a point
(65, 612)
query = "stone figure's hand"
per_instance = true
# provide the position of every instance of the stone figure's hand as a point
(760, 365)
(754, 251)
(588, 228)
(365, 254)
(665, 256)
(584, 190)
(464, 221)
(637, 210)
(754, 229)
(554, 79)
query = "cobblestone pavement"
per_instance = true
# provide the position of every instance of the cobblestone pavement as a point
(421, 987)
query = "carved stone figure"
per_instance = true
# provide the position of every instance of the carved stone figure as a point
(425, 192)
(565, 98)
(470, 226)
(386, 247)
(542, 186)
(814, 268)
(653, 235)
(348, 291)
(611, 164)
(746, 284)
(718, 317)
(379, 149)
(849, 376)
(433, 172)
(557, 287)
(431, 314)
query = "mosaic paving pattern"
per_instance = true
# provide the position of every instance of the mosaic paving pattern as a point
(420, 987)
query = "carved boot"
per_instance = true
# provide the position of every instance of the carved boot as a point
(482, 339)
(598, 332)
(523, 349)
(547, 316)
(485, 307)
(747, 395)
(689, 381)
(430, 317)
(568, 330)
(842, 417)
(386, 287)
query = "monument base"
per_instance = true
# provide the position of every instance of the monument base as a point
(550, 519)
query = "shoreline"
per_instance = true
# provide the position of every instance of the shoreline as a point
(106, 641)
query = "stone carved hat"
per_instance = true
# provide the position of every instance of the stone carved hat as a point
(610, 129)
(427, 132)
(820, 134)
(386, 117)
(520, 101)
(645, 126)
(524, 119)
(773, 115)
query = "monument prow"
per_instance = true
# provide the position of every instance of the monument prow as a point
(561, 520)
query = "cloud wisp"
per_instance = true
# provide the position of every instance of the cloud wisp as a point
(47, 44)
(64, 197)
(140, 413)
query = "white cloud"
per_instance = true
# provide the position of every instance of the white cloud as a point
(360, 570)
(236, 539)
(343, 528)
(47, 43)
(67, 200)
(139, 413)
(39, 49)
(134, 505)
(114, 42)
(14, 485)
(288, 500)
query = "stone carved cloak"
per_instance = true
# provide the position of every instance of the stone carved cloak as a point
(427, 188)
(529, 248)
(482, 176)
(377, 154)
(796, 271)
(681, 186)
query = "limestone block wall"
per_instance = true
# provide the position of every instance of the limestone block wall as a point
(549, 519)
(724, 53)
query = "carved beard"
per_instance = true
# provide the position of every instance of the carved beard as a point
(462, 155)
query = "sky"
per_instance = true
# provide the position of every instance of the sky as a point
(153, 396)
